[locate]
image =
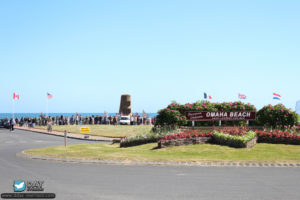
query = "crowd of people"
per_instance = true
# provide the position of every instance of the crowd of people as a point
(78, 119)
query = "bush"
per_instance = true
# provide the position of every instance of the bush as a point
(277, 116)
(169, 117)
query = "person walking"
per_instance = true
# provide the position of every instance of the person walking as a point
(12, 123)
(49, 125)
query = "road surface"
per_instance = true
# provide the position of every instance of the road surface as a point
(96, 181)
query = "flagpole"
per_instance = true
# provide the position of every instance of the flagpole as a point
(47, 108)
(13, 109)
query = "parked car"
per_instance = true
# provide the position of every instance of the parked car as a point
(4, 123)
(125, 120)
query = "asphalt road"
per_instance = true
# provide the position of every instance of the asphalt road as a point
(95, 181)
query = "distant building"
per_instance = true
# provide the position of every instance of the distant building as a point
(298, 107)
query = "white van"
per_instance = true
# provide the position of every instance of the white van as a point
(125, 120)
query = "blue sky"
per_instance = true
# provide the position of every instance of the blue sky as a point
(88, 53)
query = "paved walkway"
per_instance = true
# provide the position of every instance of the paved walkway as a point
(69, 135)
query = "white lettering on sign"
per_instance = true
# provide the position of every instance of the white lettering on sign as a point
(221, 115)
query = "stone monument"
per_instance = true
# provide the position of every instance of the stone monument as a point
(125, 105)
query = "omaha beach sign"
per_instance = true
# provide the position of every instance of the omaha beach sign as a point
(220, 116)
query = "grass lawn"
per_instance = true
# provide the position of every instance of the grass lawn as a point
(104, 130)
(147, 152)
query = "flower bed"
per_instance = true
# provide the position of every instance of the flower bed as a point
(248, 140)
(278, 137)
(235, 130)
(185, 138)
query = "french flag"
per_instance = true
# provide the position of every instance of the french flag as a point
(205, 96)
(276, 96)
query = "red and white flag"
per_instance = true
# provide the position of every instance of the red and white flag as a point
(16, 96)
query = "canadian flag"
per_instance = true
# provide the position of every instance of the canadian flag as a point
(16, 96)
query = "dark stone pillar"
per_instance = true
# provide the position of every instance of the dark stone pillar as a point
(125, 105)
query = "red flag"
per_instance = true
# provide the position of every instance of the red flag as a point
(209, 97)
(16, 96)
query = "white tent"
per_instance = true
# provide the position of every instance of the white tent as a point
(298, 107)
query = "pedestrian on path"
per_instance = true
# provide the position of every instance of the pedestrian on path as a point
(12, 123)
(49, 125)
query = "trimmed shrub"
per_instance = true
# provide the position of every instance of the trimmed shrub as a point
(169, 117)
(277, 116)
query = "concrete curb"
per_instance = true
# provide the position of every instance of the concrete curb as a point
(78, 138)
(156, 163)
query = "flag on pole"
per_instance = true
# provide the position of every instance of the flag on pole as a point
(242, 96)
(205, 96)
(276, 96)
(49, 96)
(16, 96)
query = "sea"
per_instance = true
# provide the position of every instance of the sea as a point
(20, 115)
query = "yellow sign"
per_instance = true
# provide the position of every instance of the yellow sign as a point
(84, 129)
